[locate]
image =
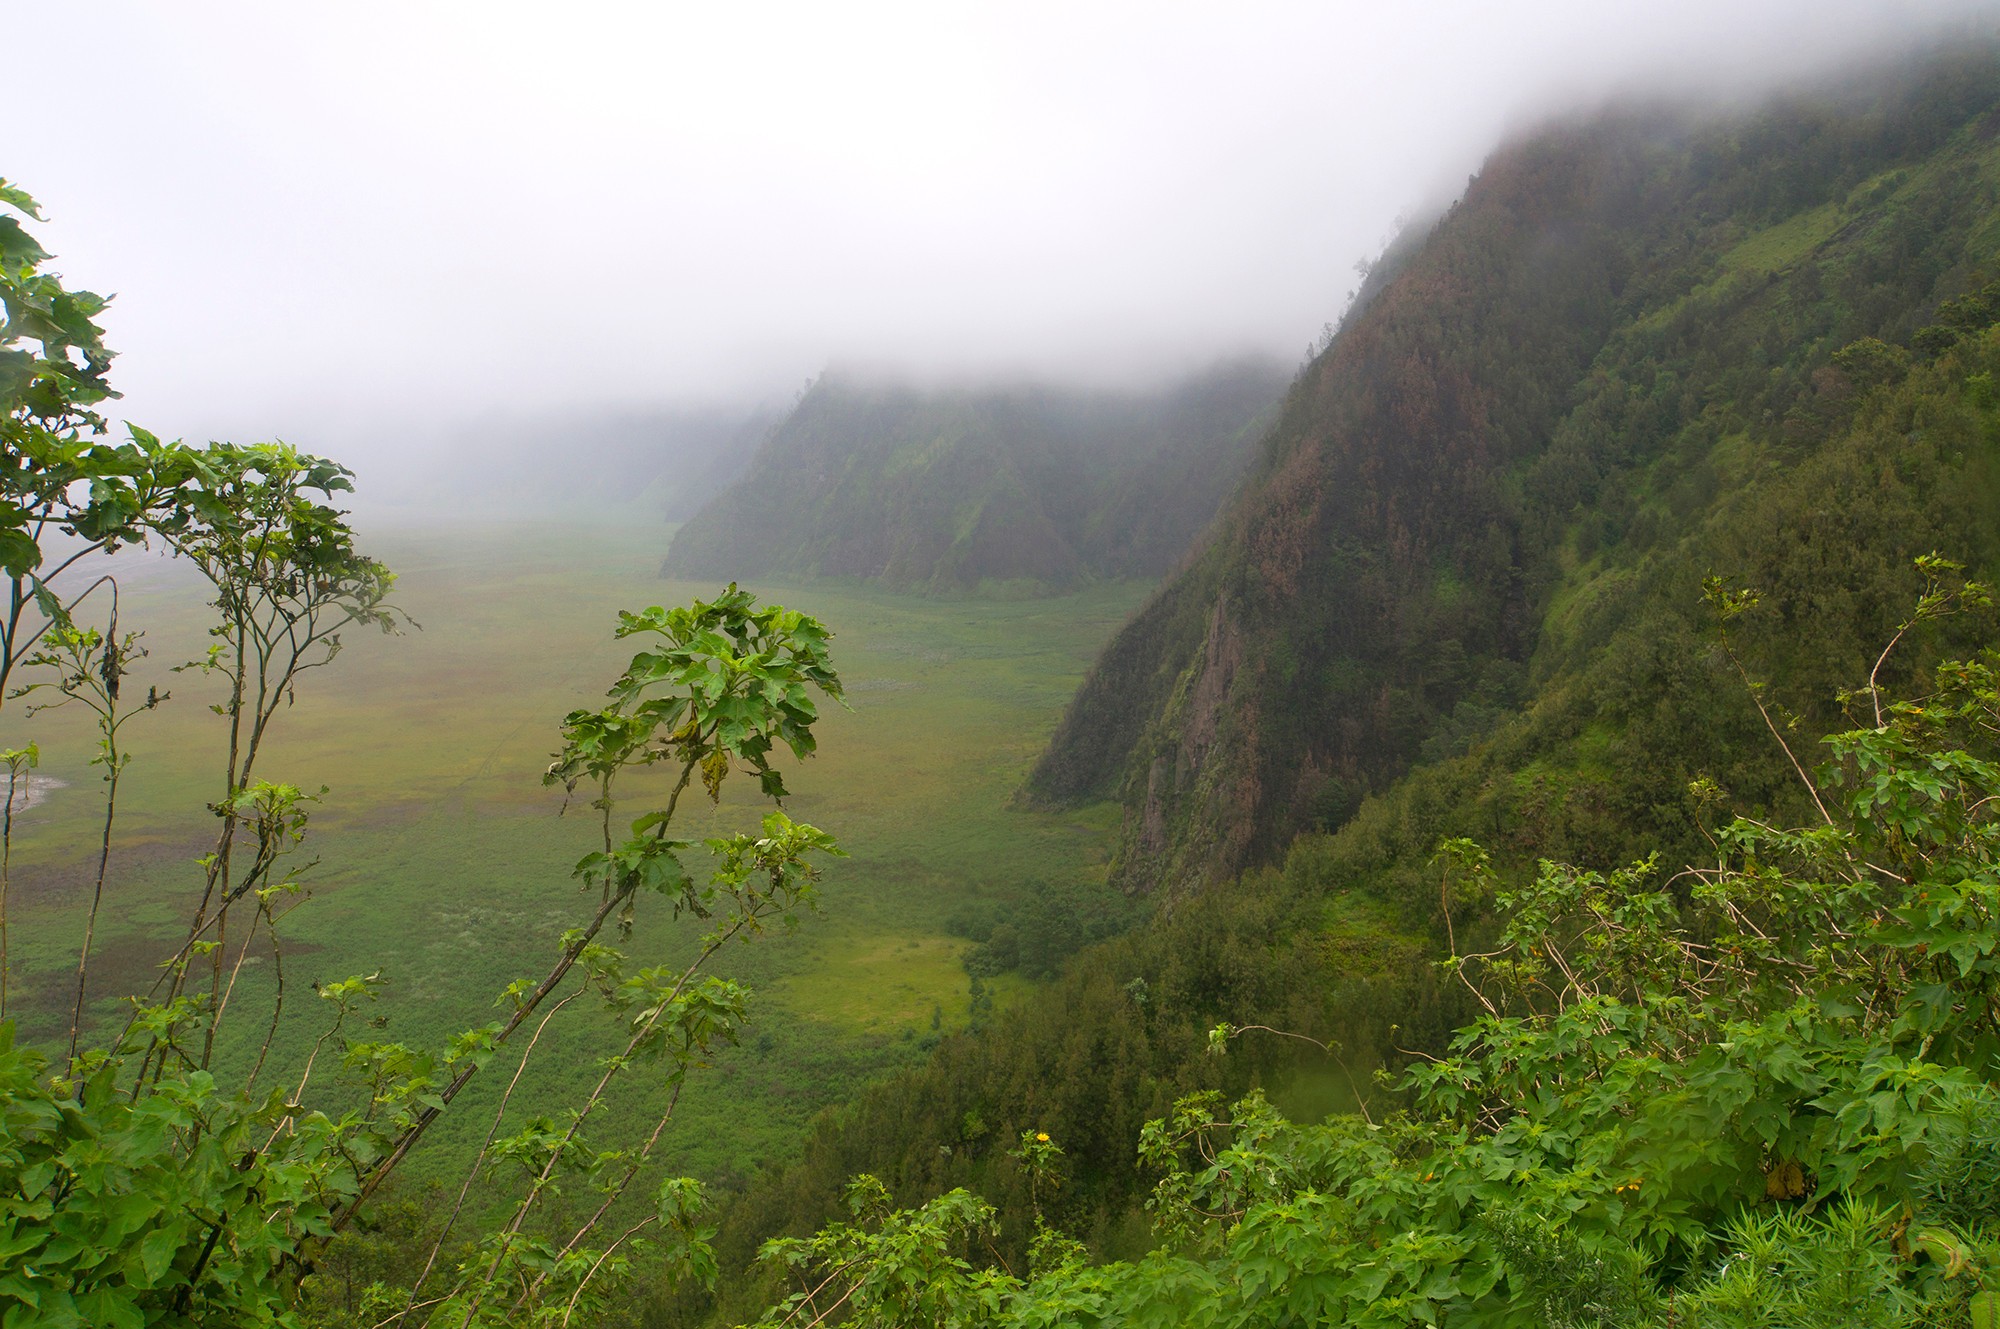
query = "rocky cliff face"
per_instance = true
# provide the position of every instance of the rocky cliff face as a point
(1546, 384)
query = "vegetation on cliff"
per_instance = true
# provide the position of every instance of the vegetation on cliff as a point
(1754, 1092)
(1597, 377)
(1464, 596)
(1761, 1083)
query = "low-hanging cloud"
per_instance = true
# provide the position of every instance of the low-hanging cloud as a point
(353, 225)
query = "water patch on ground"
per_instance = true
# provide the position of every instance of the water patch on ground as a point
(31, 789)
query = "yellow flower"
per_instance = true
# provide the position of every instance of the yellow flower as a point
(1041, 1137)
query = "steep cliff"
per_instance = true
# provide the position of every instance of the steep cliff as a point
(1626, 326)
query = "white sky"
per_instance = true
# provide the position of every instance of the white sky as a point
(353, 225)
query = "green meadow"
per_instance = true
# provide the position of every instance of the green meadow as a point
(444, 863)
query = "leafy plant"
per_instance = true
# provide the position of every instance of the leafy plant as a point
(66, 491)
(138, 1184)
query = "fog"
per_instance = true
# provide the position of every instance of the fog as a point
(360, 227)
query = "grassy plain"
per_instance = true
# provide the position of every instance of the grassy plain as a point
(444, 863)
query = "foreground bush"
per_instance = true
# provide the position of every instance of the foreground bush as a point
(1756, 1092)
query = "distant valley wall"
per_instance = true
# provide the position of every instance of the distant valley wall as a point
(1030, 488)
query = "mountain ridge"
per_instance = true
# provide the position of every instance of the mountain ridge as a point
(952, 490)
(1608, 297)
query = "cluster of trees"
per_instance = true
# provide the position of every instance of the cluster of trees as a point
(1111, 1043)
(1035, 933)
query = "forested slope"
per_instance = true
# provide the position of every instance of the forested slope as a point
(944, 490)
(1327, 967)
(1558, 409)
(1470, 573)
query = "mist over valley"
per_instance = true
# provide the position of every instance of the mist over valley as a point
(1104, 665)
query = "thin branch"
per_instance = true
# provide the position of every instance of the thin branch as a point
(614, 1192)
(383, 1166)
(1811, 788)
(1331, 1050)
(472, 1172)
(598, 1263)
(714, 943)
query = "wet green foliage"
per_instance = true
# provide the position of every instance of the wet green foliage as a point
(151, 1191)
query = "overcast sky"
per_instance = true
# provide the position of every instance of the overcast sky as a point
(354, 225)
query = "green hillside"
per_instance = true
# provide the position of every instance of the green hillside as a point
(1595, 379)
(1464, 593)
(949, 490)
